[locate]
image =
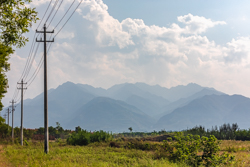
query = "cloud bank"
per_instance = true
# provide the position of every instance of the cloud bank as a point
(97, 49)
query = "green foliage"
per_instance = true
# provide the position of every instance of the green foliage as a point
(15, 18)
(58, 131)
(140, 145)
(2, 120)
(4, 128)
(223, 132)
(26, 143)
(5, 51)
(196, 151)
(83, 137)
(141, 134)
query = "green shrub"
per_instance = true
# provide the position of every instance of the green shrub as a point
(196, 151)
(83, 137)
(26, 143)
(140, 145)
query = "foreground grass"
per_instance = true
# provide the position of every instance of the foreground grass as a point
(240, 149)
(100, 154)
(92, 155)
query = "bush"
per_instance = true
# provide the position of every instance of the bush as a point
(140, 145)
(83, 137)
(196, 151)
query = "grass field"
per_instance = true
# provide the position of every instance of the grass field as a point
(100, 154)
(65, 155)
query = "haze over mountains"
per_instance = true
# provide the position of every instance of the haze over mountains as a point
(140, 106)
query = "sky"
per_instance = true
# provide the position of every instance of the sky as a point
(163, 42)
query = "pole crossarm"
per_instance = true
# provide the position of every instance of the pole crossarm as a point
(45, 39)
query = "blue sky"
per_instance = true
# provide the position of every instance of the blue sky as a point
(165, 12)
(162, 42)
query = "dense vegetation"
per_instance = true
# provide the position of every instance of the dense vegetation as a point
(31, 134)
(15, 18)
(193, 147)
(223, 132)
(83, 137)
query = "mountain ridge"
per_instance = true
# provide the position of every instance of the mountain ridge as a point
(68, 99)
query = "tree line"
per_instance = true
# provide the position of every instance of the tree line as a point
(32, 134)
(223, 132)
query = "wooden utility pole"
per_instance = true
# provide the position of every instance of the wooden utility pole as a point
(46, 128)
(13, 109)
(8, 110)
(4, 116)
(21, 128)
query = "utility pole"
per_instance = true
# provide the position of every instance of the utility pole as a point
(13, 109)
(21, 128)
(8, 110)
(4, 116)
(46, 128)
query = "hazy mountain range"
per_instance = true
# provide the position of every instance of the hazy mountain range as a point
(140, 106)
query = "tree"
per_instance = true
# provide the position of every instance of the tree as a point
(5, 51)
(130, 129)
(15, 18)
(3, 128)
(59, 128)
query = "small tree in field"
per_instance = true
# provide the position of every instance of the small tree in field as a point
(130, 129)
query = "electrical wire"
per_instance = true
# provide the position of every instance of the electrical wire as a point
(32, 61)
(32, 46)
(69, 18)
(53, 8)
(55, 13)
(36, 71)
(44, 14)
(65, 14)
(27, 62)
(64, 23)
(29, 57)
(14, 93)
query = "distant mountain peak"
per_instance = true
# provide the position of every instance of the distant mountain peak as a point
(68, 83)
(193, 84)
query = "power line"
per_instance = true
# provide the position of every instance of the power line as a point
(28, 67)
(14, 93)
(51, 11)
(55, 13)
(27, 62)
(31, 54)
(36, 72)
(32, 45)
(64, 23)
(31, 50)
(68, 18)
(32, 62)
(31, 58)
(44, 14)
(65, 14)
